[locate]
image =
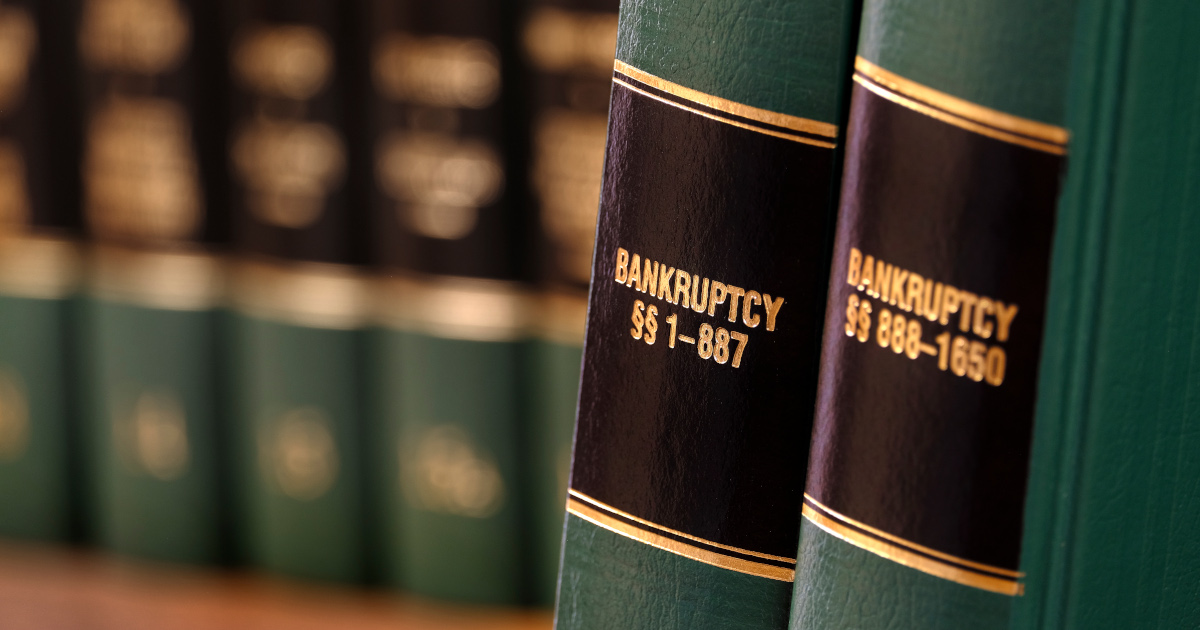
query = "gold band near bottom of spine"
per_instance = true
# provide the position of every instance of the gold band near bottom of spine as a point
(833, 524)
(562, 317)
(453, 307)
(959, 112)
(173, 280)
(313, 295)
(602, 518)
(40, 267)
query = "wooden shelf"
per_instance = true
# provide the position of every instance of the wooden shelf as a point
(55, 589)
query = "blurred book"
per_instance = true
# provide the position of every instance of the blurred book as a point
(39, 268)
(299, 296)
(154, 208)
(568, 48)
(450, 227)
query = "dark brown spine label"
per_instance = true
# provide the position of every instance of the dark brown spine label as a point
(933, 332)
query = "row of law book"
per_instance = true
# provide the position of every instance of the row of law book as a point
(299, 285)
(894, 320)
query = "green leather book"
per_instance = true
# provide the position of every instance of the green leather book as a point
(38, 274)
(703, 331)
(918, 476)
(151, 174)
(448, 218)
(298, 294)
(568, 47)
(944, 494)
(1112, 500)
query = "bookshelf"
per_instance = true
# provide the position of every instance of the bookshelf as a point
(44, 588)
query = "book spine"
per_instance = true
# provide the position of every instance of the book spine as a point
(151, 202)
(449, 221)
(704, 315)
(298, 289)
(924, 417)
(568, 48)
(1111, 504)
(38, 274)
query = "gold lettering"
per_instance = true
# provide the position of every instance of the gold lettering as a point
(968, 300)
(982, 327)
(932, 302)
(699, 295)
(772, 307)
(635, 272)
(883, 274)
(867, 280)
(752, 297)
(912, 299)
(734, 294)
(683, 282)
(664, 280)
(1004, 317)
(899, 278)
(650, 277)
(854, 274)
(622, 265)
(717, 296)
(949, 305)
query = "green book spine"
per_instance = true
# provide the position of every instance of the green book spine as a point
(554, 357)
(917, 479)
(37, 307)
(298, 289)
(296, 364)
(38, 272)
(151, 199)
(568, 48)
(446, 427)
(1112, 503)
(448, 217)
(151, 329)
(703, 332)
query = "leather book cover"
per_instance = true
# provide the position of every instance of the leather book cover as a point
(152, 170)
(449, 214)
(299, 294)
(703, 330)
(955, 153)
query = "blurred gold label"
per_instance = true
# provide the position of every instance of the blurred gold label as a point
(18, 40)
(154, 436)
(447, 473)
(14, 197)
(438, 71)
(14, 417)
(145, 36)
(561, 41)
(439, 181)
(289, 61)
(567, 171)
(298, 454)
(140, 171)
(288, 169)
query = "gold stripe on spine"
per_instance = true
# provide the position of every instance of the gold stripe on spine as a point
(452, 307)
(715, 102)
(599, 518)
(608, 508)
(735, 123)
(316, 295)
(561, 317)
(903, 552)
(38, 267)
(176, 281)
(960, 113)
